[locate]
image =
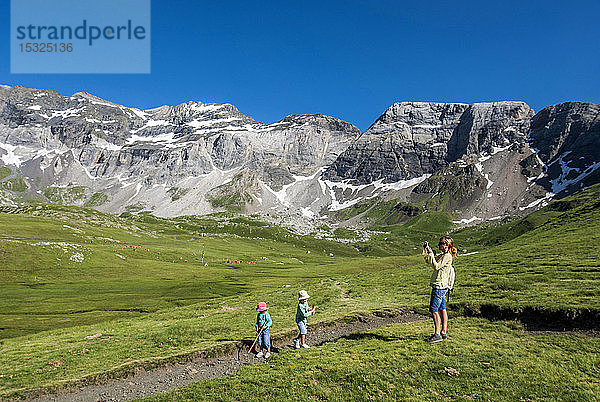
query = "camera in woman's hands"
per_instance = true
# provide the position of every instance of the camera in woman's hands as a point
(426, 244)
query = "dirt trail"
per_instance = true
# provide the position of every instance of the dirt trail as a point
(165, 378)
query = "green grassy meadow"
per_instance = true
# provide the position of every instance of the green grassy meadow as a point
(96, 295)
(482, 361)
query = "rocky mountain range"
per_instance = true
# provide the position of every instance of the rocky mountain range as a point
(481, 161)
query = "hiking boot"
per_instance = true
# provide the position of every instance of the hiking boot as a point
(260, 354)
(305, 346)
(296, 343)
(444, 336)
(267, 355)
(435, 338)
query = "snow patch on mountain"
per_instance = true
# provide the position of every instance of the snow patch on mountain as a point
(103, 144)
(207, 123)
(166, 137)
(206, 107)
(150, 124)
(10, 158)
(543, 201)
(400, 184)
(139, 113)
(467, 221)
(562, 182)
(378, 187)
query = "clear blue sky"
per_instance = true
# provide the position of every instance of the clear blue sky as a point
(351, 59)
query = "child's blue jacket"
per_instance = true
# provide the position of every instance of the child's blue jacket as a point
(262, 319)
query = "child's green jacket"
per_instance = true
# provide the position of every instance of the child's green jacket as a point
(303, 312)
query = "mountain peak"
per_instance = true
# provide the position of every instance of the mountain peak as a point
(307, 117)
(94, 99)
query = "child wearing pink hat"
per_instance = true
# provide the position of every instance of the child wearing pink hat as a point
(263, 322)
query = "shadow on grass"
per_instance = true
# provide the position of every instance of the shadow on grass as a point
(357, 336)
(536, 318)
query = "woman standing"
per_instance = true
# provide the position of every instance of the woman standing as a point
(441, 277)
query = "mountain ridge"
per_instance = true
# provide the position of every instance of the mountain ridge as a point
(197, 158)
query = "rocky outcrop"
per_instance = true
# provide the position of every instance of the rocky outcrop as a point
(407, 141)
(567, 140)
(454, 188)
(299, 145)
(412, 139)
(487, 126)
(306, 141)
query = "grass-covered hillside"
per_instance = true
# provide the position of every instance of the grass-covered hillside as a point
(86, 294)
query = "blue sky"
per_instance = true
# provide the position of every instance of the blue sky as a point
(351, 59)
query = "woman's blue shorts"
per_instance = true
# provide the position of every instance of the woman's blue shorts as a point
(438, 300)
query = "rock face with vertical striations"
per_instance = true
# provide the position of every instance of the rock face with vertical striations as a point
(299, 145)
(412, 139)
